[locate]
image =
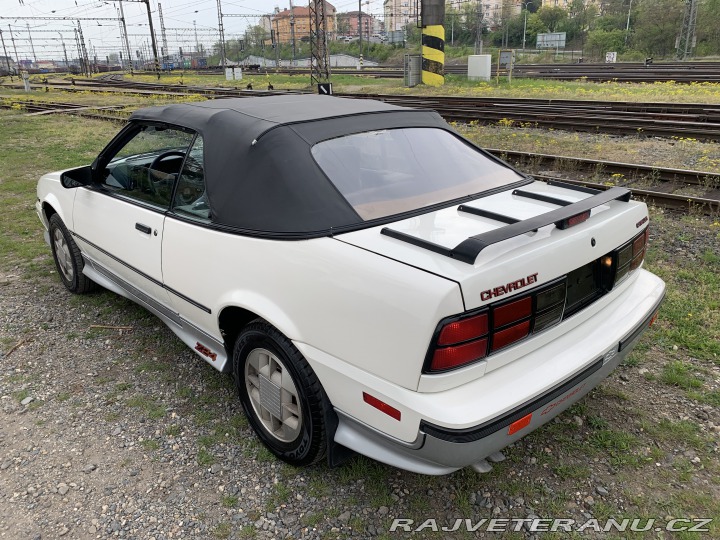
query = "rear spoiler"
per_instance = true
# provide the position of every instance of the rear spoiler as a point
(468, 250)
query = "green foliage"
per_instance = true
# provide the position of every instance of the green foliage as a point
(600, 42)
(655, 26)
(552, 17)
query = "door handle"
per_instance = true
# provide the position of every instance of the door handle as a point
(143, 228)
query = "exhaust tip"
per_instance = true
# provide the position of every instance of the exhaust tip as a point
(496, 457)
(482, 467)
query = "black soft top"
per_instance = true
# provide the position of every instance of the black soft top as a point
(260, 175)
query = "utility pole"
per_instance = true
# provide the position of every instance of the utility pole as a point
(7, 58)
(360, 24)
(222, 34)
(12, 38)
(31, 42)
(79, 51)
(86, 60)
(197, 45)
(277, 44)
(120, 25)
(478, 29)
(152, 37)
(67, 65)
(292, 30)
(162, 32)
(319, 60)
(686, 40)
(125, 33)
(432, 18)
(627, 26)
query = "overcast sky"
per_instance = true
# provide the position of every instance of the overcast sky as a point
(104, 35)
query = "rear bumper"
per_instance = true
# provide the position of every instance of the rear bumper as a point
(441, 450)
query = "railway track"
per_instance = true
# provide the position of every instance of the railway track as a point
(599, 174)
(680, 72)
(699, 121)
(656, 185)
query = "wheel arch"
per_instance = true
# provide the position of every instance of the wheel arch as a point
(48, 211)
(231, 320)
(51, 206)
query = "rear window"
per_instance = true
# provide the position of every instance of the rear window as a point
(387, 172)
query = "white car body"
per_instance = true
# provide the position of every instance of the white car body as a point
(362, 308)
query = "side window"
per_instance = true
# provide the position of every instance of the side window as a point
(146, 167)
(190, 197)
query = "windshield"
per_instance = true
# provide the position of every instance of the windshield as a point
(382, 173)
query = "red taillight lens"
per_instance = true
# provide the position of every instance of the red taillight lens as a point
(514, 311)
(451, 357)
(503, 338)
(464, 330)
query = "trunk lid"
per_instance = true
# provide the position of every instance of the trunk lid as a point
(503, 266)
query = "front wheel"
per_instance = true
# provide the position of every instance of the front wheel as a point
(280, 393)
(68, 260)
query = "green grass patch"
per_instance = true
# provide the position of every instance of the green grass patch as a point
(153, 409)
(150, 444)
(618, 445)
(222, 530)
(681, 375)
(229, 501)
(204, 457)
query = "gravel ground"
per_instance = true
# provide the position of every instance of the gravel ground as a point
(111, 432)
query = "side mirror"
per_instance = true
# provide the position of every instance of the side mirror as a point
(75, 178)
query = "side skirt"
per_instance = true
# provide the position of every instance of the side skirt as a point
(204, 345)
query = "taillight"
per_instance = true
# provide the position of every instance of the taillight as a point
(458, 355)
(511, 312)
(464, 339)
(460, 341)
(631, 255)
(508, 336)
(511, 322)
(464, 330)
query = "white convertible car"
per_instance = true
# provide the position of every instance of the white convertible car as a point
(374, 282)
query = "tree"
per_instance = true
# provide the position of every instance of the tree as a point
(600, 42)
(708, 30)
(582, 16)
(656, 26)
(256, 36)
(552, 17)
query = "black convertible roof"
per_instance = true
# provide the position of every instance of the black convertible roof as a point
(260, 175)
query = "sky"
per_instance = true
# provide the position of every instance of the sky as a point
(103, 36)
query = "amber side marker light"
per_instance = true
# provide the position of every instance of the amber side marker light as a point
(517, 425)
(381, 406)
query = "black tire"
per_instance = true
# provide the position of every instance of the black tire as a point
(68, 260)
(301, 444)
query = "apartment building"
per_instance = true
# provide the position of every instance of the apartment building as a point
(282, 23)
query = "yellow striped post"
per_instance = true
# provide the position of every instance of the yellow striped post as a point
(433, 55)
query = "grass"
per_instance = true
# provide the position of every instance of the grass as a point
(152, 409)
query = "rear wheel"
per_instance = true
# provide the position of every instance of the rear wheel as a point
(68, 260)
(280, 393)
